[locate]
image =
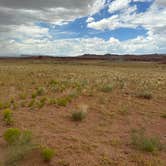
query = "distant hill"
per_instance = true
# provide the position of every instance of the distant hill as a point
(148, 57)
(112, 57)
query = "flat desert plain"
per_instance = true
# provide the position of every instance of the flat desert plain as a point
(83, 113)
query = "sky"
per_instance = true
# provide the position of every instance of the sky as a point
(76, 27)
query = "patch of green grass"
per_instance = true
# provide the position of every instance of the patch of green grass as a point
(47, 154)
(144, 143)
(107, 88)
(23, 96)
(58, 86)
(63, 101)
(141, 160)
(52, 101)
(115, 142)
(8, 116)
(124, 111)
(63, 163)
(106, 161)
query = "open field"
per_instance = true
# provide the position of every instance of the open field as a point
(122, 106)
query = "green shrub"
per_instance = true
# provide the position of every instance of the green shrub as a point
(1, 105)
(163, 115)
(42, 102)
(31, 103)
(121, 83)
(12, 101)
(61, 102)
(8, 116)
(22, 96)
(141, 142)
(47, 154)
(34, 95)
(5, 105)
(107, 88)
(40, 91)
(26, 137)
(12, 135)
(53, 82)
(145, 95)
(51, 101)
(17, 152)
(20, 143)
(79, 115)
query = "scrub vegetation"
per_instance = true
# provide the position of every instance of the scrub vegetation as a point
(82, 113)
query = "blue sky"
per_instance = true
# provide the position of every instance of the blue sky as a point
(78, 28)
(70, 28)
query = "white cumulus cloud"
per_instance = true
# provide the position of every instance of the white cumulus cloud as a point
(118, 5)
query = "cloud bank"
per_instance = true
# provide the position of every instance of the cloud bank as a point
(20, 32)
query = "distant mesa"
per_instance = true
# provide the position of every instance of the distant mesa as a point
(112, 57)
